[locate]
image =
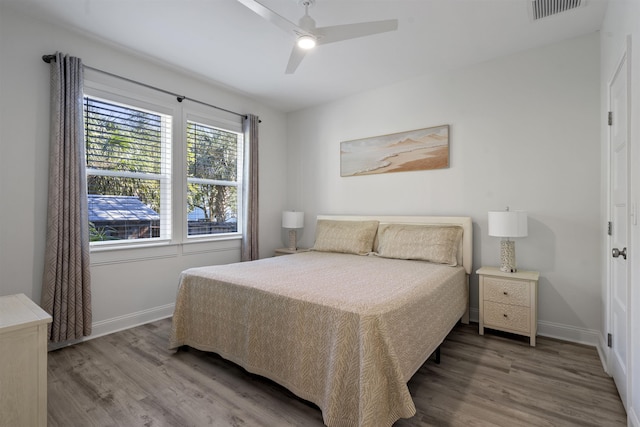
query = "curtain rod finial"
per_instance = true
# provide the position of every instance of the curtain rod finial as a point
(48, 58)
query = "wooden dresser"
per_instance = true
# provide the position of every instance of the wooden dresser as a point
(23, 362)
(508, 301)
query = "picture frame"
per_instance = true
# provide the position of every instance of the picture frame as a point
(415, 150)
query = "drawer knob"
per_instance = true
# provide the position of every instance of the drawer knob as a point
(505, 292)
(505, 315)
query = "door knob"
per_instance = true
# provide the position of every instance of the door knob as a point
(615, 252)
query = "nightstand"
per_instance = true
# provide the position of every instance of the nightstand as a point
(287, 251)
(509, 301)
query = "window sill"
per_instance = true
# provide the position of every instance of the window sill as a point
(211, 244)
(103, 255)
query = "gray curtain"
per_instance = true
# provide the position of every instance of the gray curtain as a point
(66, 292)
(250, 189)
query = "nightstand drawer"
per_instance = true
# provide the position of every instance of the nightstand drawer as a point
(506, 291)
(508, 301)
(513, 317)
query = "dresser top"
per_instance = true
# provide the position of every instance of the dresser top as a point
(18, 311)
(520, 274)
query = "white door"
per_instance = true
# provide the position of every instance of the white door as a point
(619, 265)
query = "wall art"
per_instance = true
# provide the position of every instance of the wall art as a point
(416, 150)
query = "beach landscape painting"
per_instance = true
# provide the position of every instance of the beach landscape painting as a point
(421, 149)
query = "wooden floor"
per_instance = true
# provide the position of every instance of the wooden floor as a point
(130, 379)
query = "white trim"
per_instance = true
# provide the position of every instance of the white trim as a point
(133, 253)
(121, 323)
(114, 89)
(201, 115)
(623, 61)
(558, 331)
(603, 353)
(583, 336)
(164, 179)
(220, 243)
(131, 320)
(101, 85)
(633, 388)
(589, 337)
(131, 99)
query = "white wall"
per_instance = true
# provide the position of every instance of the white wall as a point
(525, 133)
(143, 285)
(621, 22)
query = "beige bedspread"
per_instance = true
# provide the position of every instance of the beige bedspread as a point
(343, 331)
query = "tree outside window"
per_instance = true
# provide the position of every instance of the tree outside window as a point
(129, 180)
(212, 179)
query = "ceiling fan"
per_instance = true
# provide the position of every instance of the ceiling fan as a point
(308, 35)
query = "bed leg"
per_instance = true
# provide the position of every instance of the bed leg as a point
(438, 355)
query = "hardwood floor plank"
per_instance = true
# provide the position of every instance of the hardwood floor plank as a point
(130, 379)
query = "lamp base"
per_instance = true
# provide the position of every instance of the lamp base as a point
(508, 256)
(293, 239)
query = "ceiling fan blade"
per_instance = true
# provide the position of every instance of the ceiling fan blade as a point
(297, 54)
(271, 16)
(338, 33)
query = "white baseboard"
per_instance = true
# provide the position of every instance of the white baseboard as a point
(131, 320)
(566, 333)
(603, 353)
(559, 331)
(569, 333)
(120, 323)
(578, 335)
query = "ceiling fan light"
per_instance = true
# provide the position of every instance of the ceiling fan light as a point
(306, 42)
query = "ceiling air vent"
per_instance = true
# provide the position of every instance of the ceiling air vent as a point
(543, 8)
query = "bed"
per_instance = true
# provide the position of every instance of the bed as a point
(345, 325)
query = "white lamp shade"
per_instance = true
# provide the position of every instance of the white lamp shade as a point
(292, 219)
(508, 224)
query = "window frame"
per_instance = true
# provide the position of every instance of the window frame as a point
(164, 178)
(196, 114)
(117, 90)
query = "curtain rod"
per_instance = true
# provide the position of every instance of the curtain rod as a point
(180, 98)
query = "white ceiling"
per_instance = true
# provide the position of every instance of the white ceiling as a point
(224, 41)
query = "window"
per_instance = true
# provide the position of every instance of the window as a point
(158, 171)
(213, 174)
(128, 152)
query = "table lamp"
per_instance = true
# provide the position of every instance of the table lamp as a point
(292, 220)
(508, 224)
